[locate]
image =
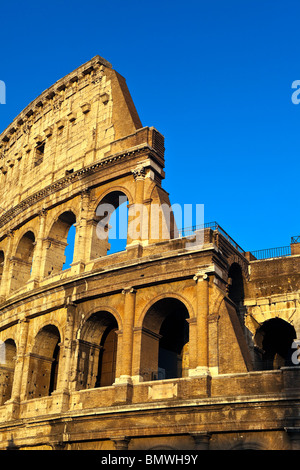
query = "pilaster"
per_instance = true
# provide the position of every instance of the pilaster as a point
(137, 211)
(202, 301)
(127, 337)
(6, 276)
(80, 247)
(20, 376)
(66, 349)
(36, 272)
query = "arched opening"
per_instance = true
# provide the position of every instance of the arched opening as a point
(108, 357)
(273, 341)
(236, 284)
(60, 244)
(69, 250)
(111, 224)
(165, 341)
(1, 264)
(97, 355)
(22, 261)
(8, 353)
(44, 363)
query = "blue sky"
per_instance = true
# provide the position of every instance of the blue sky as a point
(214, 77)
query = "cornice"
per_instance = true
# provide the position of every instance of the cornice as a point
(64, 182)
(23, 121)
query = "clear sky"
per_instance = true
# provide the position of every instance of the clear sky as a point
(213, 76)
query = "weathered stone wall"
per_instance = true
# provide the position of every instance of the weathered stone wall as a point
(78, 145)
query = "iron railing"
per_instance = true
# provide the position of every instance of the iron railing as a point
(278, 252)
(267, 253)
(186, 232)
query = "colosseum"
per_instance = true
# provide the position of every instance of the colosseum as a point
(165, 343)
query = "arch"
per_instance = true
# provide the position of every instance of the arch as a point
(170, 295)
(236, 283)
(24, 231)
(273, 341)
(110, 221)
(120, 189)
(8, 352)
(241, 261)
(95, 310)
(22, 261)
(60, 243)
(97, 351)
(165, 332)
(247, 445)
(44, 362)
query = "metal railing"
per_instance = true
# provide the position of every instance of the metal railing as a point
(267, 253)
(186, 232)
(278, 252)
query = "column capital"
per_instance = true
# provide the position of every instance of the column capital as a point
(139, 173)
(85, 192)
(10, 233)
(200, 276)
(43, 212)
(201, 440)
(129, 290)
(69, 303)
(121, 443)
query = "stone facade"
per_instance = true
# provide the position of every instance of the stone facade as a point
(162, 345)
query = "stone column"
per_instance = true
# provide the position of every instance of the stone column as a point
(66, 350)
(62, 392)
(5, 281)
(19, 374)
(202, 295)
(193, 354)
(134, 221)
(127, 337)
(36, 272)
(80, 248)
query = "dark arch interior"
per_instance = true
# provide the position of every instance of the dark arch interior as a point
(108, 356)
(67, 218)
(1, 263)
(236, 284)
(44, 362)
(98, 351)
(167, 318)
(274, 338)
